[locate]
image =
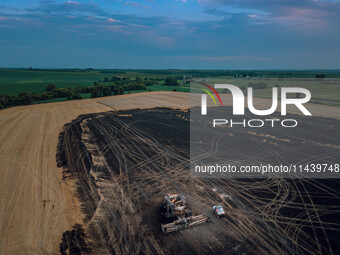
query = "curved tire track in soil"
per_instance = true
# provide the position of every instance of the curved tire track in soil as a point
(124, 162)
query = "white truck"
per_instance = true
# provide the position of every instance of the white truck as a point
(218, 211)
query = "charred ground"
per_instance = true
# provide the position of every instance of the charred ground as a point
(124, 162)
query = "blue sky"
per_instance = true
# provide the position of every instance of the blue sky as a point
(200, 34)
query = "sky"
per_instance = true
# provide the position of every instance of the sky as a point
(162, 34)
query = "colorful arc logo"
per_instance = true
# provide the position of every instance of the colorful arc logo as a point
(213, 90)
(204, 97)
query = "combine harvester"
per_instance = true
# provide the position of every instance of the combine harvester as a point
(175, 210)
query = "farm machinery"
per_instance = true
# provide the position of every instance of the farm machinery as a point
(177, 215)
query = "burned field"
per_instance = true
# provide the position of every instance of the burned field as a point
(123, 163)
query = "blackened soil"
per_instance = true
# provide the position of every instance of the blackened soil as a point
(124, 163)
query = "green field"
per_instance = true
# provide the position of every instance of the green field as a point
(324, 91)
(15, 81)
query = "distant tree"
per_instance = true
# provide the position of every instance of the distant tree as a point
(106, 79)
(70, 94)
(25, 98)
(171, 82)
(78, 90)
(96, 92)
(116, 90)
(50, 87)
(106, 91)
(120, 90)
(76, 96)
(4, 100)
(115, 78)
(13, 100)
(43, 96)
(320, 76)
(134, 87)
(148, 83)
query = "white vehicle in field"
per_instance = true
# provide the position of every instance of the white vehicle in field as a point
(218, 210)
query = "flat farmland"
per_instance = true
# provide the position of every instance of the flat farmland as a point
(36, 204)
(124, 162)
(47, 187)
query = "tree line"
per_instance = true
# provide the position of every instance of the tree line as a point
(97, 90)
(26, 98)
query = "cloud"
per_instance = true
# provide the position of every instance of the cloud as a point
(206, 33)
(71, 2)
(138, 5)
(67, 7)
(222, 58)
(111, 20)
(298, 14)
